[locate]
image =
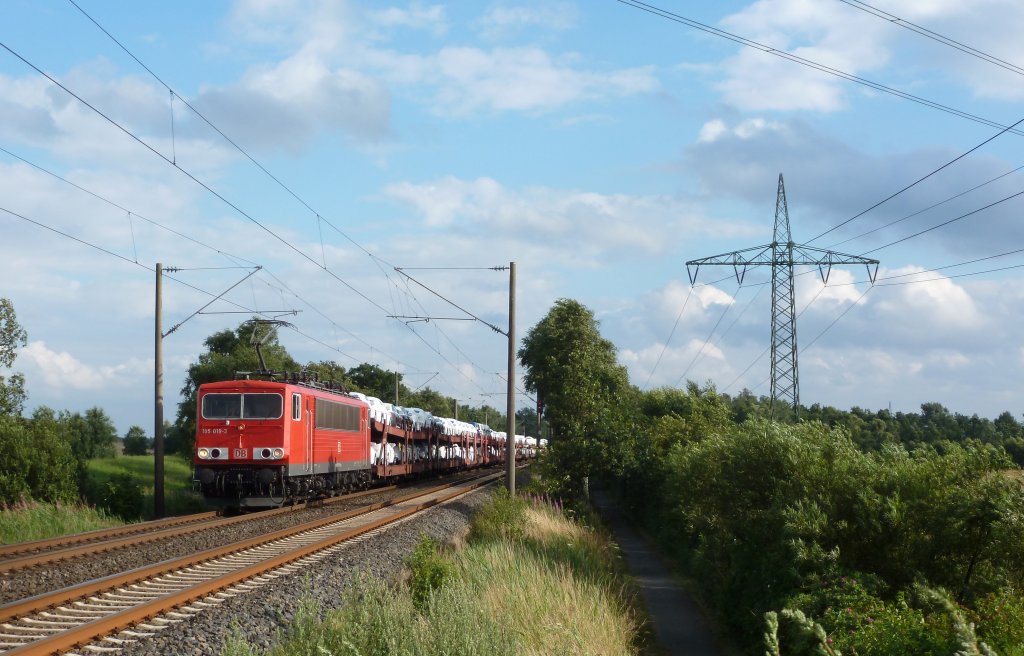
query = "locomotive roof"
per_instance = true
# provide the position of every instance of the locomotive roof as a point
(243, 385)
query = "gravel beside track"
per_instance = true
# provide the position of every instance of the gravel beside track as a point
(54, 576)
(261, 615)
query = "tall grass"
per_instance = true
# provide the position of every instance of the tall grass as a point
(547, 586)
(31, 520)
(179, 498)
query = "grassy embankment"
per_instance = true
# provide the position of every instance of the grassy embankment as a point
(527, 580)
(31, 520)
(178, 496)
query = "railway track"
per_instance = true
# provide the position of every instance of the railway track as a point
(126, 607)
(23, 555)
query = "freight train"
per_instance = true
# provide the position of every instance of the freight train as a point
(266, 443)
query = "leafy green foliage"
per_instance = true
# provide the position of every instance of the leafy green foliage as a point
(586, 393)
(121, 495)
(12, 335)
(376, 381)
(38, 462)
(768, 516)
(180, 498)
(135, 441)
(504, 518)
(34, 520)
(92, 435)
(429, 570)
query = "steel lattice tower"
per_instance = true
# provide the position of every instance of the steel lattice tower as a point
(782, 255)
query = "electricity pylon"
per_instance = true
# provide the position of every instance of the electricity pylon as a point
(782, 255)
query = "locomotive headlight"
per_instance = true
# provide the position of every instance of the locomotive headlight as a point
(278, 453)
(204, 454)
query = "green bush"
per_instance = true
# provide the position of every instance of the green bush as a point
(503, 518)
(37, 461)
(121, 495)
(764, 513)
(429, 570)
(1000, 620)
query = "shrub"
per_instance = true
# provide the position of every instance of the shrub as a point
(121, 495)
(429, 570)
(503, 517)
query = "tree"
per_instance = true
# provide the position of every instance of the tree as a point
(329, 371)
(12, 335)
(91, 436)
(38, 461)
(227, 351)
(135, 441)
(574, 371)
(376, 381)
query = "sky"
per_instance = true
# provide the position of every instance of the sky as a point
(597, 145)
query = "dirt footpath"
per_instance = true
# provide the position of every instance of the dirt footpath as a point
(678, 625)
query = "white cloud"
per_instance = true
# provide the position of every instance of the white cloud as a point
(855, 42)
(576, 224)
(286, 104)
(940, 302)
(505, 20)
(696, 360)
(416, 16)
(466, 80)
(63, 369)
(711, 130)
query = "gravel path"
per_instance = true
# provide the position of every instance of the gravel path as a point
(259, 616)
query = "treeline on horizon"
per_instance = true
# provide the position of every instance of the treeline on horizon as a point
(934, 424)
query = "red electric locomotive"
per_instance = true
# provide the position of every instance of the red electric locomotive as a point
(265, 443)
(262, 443)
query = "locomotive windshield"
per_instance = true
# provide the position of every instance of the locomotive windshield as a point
(242, 406)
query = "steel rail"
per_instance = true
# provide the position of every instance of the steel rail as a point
(55, 598)
(114, 541)
(119, 621)
(18, 548)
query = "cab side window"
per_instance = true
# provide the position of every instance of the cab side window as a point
(296, 407)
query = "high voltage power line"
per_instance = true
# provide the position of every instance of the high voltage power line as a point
(916, 182)
(803, 61)
(934, 36)
(849, 77)
(930, 207)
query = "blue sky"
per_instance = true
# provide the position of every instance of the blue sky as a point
(598, 146)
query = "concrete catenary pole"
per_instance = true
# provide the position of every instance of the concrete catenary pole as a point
(158, 400)
(510, 430)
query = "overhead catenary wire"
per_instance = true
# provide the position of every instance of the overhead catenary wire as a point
(376, 259)
(223, 135)
(235, 258)
(192, 177)
(222, 198)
